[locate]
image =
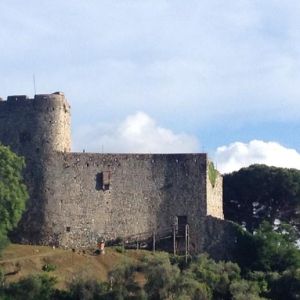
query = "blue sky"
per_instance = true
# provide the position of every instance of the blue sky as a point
(164, 75)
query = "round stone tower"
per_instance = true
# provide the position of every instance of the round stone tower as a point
(53, 119)
(36, 129)
(32, 127)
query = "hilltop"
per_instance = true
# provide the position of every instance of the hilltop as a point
(19, 261)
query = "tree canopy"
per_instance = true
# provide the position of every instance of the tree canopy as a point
(261, 193)
(269, 249)
(13, 192)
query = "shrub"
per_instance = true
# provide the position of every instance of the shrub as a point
(49, 267)
(285, 286)
(212, 174)
(31, 288)
(123, 280)
(90, 289)
(217, 276)
(244, 290)
(162, 277)
(119, 249)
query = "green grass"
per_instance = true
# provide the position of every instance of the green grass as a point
(212, 173)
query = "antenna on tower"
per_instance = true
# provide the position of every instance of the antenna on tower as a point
(34, 87)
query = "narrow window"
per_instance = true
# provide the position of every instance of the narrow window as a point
(68, 228)
(99, 181)
(103, 181)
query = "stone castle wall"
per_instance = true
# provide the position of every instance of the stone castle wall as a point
(144, 193)
(214, 203)
(77, 198)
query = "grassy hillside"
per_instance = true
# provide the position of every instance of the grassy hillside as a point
(18, 261)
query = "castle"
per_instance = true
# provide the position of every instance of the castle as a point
(77, 198)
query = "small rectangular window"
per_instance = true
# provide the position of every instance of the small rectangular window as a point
(68, 228)
(99, 181)
(103, 181)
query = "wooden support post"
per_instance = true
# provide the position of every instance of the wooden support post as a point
(174, 239)
(186, 238)
(154, 241)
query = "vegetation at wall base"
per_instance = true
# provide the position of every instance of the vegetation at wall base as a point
(212, 173)
(13, 192)
(267, 267)
(49, 267)
(267, 250)
(265, 261)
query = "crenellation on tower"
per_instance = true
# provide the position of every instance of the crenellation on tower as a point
(17, 98)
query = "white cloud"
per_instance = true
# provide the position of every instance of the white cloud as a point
(237, 155)
(138, 133)
(206, 59)
(194, 66)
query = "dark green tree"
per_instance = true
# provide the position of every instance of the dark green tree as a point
(162, 277)
(13, 192)
(124, 284)
(285, 286)
(259, 193)
(30, 288)
(269, 249)
(276, 248)
(216, 276)
(87, 289)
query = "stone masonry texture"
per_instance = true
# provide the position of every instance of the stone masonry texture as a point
(78, 198)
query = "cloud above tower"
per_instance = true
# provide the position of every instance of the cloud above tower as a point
(137, 133)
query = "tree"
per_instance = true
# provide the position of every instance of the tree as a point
(124, 284)
(269, 249)
(13, 192)
(216, 275)
(260, 193)
(162, 277)
(245, 290)
(31, 288)
(285, 286)
(276, 248)
(87, 289)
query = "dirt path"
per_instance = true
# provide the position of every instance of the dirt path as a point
(50, 253)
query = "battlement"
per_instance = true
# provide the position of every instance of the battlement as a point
(57, 96)
(17, 98)
(36, 125)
